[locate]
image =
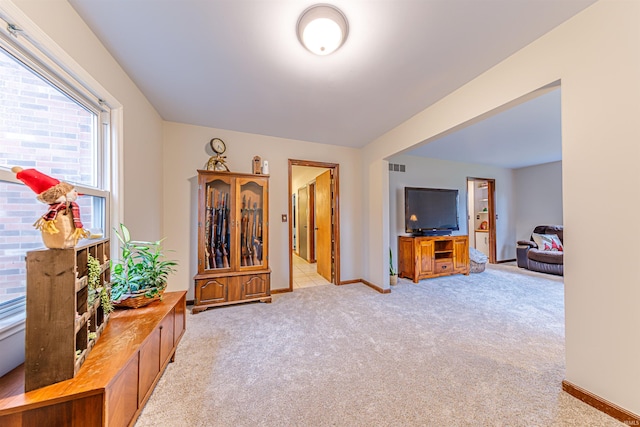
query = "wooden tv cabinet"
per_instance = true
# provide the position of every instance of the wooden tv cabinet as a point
(116, 379)
(424, 257)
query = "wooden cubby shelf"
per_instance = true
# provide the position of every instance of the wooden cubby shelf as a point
(59, 315)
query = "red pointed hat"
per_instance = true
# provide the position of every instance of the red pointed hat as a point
(34, 179)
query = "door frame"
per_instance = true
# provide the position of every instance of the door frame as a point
(311, 213)
(491, 204)
(335, 214)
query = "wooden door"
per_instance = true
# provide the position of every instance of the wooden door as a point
(424, 256)
(215, 243)
(406, 264)
(323, 224)
(491, 183)
(122, 395)
(461, 254)
(303, 225)
(212, 290)
(254, 286)
(253, 241)
(166, 337)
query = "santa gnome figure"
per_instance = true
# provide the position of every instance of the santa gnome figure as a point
(60, 226)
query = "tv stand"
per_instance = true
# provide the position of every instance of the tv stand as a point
(424, 257)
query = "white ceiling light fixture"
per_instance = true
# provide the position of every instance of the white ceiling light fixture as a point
(322, 29)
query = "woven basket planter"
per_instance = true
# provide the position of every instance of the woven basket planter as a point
(137, 300)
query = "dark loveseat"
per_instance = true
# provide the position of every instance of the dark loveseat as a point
(531, 257)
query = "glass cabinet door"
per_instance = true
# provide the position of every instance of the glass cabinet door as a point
(217, 224)
(253, 232)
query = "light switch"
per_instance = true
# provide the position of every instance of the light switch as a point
(284, 217)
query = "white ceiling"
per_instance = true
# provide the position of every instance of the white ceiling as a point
(238, 65)
(524, 135)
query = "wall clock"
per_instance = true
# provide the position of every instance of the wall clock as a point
(218, 145)
(217, 162)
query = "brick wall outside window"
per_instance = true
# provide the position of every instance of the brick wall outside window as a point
(42, 128)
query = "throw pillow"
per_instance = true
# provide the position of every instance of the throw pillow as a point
(548, 242)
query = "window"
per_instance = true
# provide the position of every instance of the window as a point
(51, 123)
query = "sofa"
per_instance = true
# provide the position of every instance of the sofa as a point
(543, 252)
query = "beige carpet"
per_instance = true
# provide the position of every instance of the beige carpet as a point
(479, 350)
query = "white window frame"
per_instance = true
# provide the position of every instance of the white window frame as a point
(25, 40)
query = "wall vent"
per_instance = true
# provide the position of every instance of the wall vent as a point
(395, 167)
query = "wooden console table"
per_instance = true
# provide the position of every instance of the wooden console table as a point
(423, 257)
(115, 381)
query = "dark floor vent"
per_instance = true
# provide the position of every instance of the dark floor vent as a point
(395, 167)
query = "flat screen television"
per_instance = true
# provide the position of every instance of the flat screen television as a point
(430, 211)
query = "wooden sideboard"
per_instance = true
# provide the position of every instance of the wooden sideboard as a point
(116, 379)
(423, 257)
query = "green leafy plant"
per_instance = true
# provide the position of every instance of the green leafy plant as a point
(94, 272)
(105, 300)
(392, 271)
(141, 269)
(94, 285)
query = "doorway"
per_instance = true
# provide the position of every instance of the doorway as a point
(314, 222)
(481, 216)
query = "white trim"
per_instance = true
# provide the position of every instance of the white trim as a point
(59, 60)
(7, 175)
(13, 324)
(12, 337)
(117, 172)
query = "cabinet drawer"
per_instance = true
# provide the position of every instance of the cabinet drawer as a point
(180, 311)
(122, 395)
(166, 337)
(443, 266)
(211, 290)
(255, 286)
(149, 366)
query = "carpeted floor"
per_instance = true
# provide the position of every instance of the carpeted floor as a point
(479, 350)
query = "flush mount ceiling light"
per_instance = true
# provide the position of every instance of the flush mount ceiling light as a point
(322, 29)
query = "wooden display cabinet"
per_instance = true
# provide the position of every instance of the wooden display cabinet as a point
(62, 325)
(423, 257)
(233, 249)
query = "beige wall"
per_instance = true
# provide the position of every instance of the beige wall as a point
(303, 175)
(538, 197)
(184, 152)
(595, 55)
(434, 173)
(141, 174)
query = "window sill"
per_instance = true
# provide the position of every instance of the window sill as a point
(12, 341)
(12, 324)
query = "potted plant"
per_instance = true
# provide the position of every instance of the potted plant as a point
(94, 285)
(140, 276)
(393, 274)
